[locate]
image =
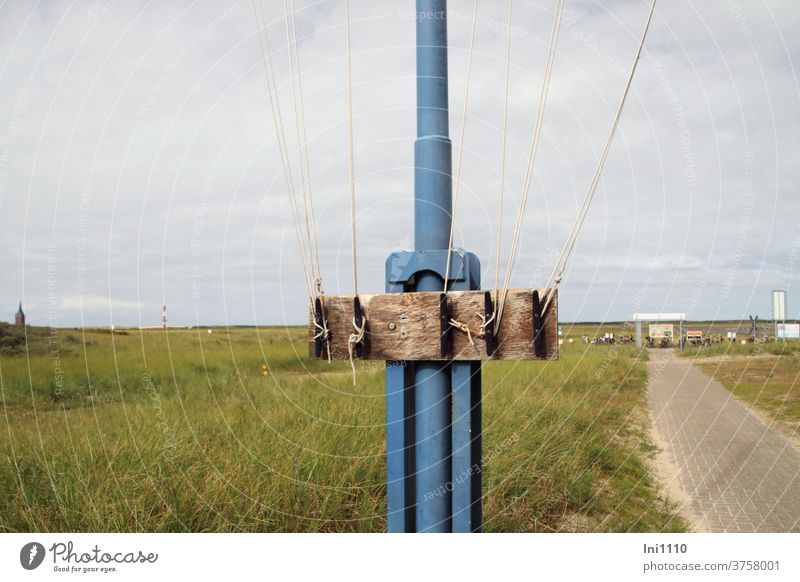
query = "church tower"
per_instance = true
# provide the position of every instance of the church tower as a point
(19, 317)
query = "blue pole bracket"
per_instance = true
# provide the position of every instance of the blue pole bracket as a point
(403, 268)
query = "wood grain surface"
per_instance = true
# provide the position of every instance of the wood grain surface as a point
(405, 326)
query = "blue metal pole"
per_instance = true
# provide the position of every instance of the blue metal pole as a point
(433, 409)
(432, 208)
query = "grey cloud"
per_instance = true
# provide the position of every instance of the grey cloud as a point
(138, 163)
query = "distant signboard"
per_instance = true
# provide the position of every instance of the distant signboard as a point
(788, 330)
(694, 335)
(779, 305)
(660, 330)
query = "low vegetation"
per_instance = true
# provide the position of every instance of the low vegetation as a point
(766, 376)
(740, 349)
(14, 339)
(236, 430)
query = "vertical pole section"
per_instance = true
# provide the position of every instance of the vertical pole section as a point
(432, 208)
(639, 334)
(433, 409)
(399, 448)
(467, 467)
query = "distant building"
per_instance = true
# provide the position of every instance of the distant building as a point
(19, 317)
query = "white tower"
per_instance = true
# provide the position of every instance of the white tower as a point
(164, 317)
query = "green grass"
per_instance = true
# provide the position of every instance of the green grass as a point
(759, 377)
(182, 431)
(739, 349)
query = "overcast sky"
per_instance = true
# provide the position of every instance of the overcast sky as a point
(139, 166)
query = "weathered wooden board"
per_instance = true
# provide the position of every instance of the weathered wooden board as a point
(405, 326)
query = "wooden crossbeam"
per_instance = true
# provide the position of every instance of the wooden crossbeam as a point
(406, 326)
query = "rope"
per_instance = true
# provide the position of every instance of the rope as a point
(503, 159)
(563, 258)
(304, 157)
(302, 138)
(485, 323)
(355, 339)
(351, 166)
(537, 127)
(323, 334)
(463, 327)
(460, 146)
(471, 333)
(277, 119)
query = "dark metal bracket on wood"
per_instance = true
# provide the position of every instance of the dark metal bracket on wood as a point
(488, 311)
(539, 347)
(445, 329)
(359, 320)
(320, 339)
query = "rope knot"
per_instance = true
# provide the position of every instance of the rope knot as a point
(485, 323)
(324, 334)
(355, 339)
(471, 333)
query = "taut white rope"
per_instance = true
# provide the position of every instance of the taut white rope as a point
(302, 139)
(537, 127)
(503, 161)
(566, 251)
(277, 119)
(351, 165)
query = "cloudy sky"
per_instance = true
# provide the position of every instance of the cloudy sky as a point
(139, 165)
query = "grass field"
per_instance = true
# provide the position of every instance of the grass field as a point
(185, 430)
(766, 376)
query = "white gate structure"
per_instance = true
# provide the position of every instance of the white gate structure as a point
(657, 318)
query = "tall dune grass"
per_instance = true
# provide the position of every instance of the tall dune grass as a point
(185, 431)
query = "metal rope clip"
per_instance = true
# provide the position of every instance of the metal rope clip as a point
(487, 326)
(539, 348)
(323, 335)
(445, 329)
(360, 324)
